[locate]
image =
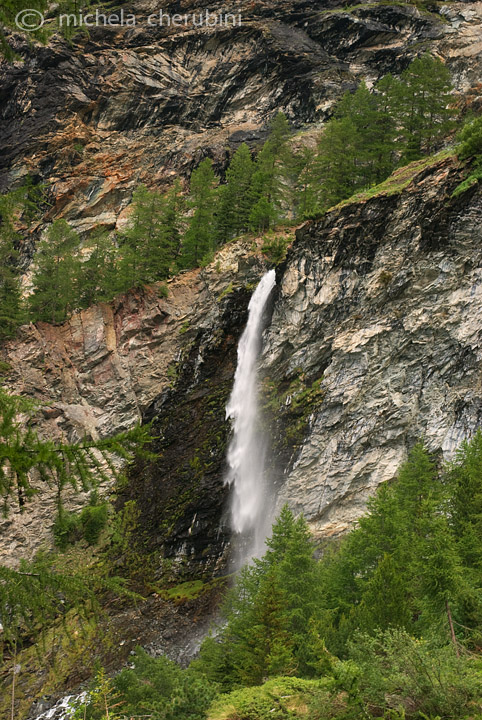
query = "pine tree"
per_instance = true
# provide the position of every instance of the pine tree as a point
(465, 482)
(336, 166)
(35, 593)
(374, 131)
(235, 199)
(199, 239)
(271, 610)
(272, 177)
(97, 279)
(421, 102)
(355, 149)
(11, 306)
(149, 245)
(20, 204)
(306, 195)
(55, 292)
(173, 219)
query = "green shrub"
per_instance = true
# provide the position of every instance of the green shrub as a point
(163, 291)
(398, 672)
(470, 139)
(277, 699)
(470, 147)
(154, 688)
(67, 529)
(70, 527)
(275, 248)
(93, 520)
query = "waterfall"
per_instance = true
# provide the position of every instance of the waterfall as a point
(247, 449)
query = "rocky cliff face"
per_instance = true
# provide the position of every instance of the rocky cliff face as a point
(119, 106)
(379, 305)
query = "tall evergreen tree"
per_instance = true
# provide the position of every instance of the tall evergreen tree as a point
(146, 250)
(336, 168)
(422, 105)
(235, 199)
(199, 239)
(173, 220)
(271, 612)
(17, 205)
(55, 291)
(271, 181)
(11, 309)
(97, 279)
(374, 133)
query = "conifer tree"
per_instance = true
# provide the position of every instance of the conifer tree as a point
(199, 239)
(11, 306)
(11, 310)
(235, 199)
(97, 275)
(374, 133)
(35, 592)
(271, 610)
(465, 482)
(336, 167)
(305, 198)
(55, 291)
(421, 102)
(173, 219)
(17, 204)
(270, 185)
(146, 250)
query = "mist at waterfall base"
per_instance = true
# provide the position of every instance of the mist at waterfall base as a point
(250, 512)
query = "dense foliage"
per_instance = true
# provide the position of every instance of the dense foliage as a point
(470, 149)
(386, 624)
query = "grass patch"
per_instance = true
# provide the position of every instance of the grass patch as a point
(184, 591)
(473, 179)
(227, 291)
(398, 180)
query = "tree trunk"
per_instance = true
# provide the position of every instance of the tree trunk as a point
(452, 633)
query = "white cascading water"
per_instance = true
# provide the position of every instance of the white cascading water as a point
(247, 450)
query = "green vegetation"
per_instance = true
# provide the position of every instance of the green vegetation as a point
(372, 133)
(36, 593)
(155, 688)
(69, 527)
(387, 624)
(470, 148)
(54, 277)
(275, 247)
(8, 13)
(23, 201)
(199, 238)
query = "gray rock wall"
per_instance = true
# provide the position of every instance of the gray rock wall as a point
(381, 299)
